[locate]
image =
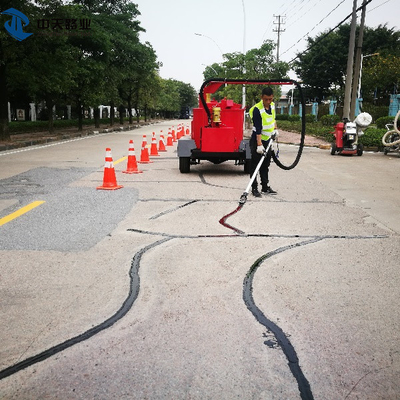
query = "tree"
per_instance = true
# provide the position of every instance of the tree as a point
(173, 96)
(380, 77)
(323, 67)
(255, 64)
(11, 52)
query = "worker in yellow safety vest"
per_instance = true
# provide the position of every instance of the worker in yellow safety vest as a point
(264, 126)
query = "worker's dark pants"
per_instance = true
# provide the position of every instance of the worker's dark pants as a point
(255, 159)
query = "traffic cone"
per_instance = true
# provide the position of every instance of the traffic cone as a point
(144, 154)
(153, 149)
(178, 132)
(109, 179)
(161, 144)
(187, 131)
(173, 135)
(170, 139)
(132, 167)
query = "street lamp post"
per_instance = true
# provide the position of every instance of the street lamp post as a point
(219, 48)
(244, 52)
(208, 37)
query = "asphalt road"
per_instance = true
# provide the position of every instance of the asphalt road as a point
(140, 293)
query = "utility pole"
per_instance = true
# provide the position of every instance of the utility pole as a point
(357, 66)
(279, 30)
(350, 56)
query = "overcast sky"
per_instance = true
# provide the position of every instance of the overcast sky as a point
(171, 26)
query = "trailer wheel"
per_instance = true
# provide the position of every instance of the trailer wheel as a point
(360, 149)
(184, 164)
(333, 149)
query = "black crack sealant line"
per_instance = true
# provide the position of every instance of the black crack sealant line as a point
(126, 306)
(282, 340)
(243, 197)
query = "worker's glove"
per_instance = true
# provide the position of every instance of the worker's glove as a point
(260, 149)
(275, 134)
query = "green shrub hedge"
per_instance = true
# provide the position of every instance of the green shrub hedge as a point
(330, 120)
(382, 121)
(17, 127)
(372, 136)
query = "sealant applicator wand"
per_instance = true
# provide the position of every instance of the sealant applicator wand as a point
(243, 197)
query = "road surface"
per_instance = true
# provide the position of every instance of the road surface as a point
(140, 293)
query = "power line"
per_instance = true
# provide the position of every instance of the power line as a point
(319, 23)
(380, 5)
(317, 1)
(329, 32)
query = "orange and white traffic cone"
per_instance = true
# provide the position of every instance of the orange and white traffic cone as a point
(144, 154)
(153, 149)
(131, 167)
(161, 144)
(109, 179)
(173, 135)
(170, 139)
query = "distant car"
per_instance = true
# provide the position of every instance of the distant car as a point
(185, 113)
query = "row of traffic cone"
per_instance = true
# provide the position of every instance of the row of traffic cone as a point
(109, 178)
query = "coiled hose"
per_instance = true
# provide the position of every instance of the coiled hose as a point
(388, 134)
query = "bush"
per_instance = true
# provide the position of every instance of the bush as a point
(294, 117)
(311, 118)
(373, 137)
(376, 111)
(330, 120)
(282, 117)
(382, 121)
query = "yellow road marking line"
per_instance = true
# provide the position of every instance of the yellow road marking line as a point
(120, 160)
(20, 212)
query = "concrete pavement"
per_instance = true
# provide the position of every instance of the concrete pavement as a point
(303, 305)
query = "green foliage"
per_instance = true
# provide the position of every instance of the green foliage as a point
(372, 137)
(323, 67)
(282, 117)
(294, 117)
(257, 63)
(311, 118)
(106, 65)
(382, 121)
(18, 127)
(375, 111)
(330, 120)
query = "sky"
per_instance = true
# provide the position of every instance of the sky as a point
(228, 26)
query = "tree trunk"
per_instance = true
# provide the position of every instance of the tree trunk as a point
(112, 113)
(80, 116)
(130, 109)
(49, 105)
(121, 114)
(4, 128)
(97, 117)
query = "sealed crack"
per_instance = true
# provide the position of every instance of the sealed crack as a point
(126, 306)
(281, 339)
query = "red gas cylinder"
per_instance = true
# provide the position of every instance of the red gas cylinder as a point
(339, 128)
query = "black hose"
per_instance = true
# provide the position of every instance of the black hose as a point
(302, 136)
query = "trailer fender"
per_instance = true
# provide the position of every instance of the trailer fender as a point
(185, 147)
